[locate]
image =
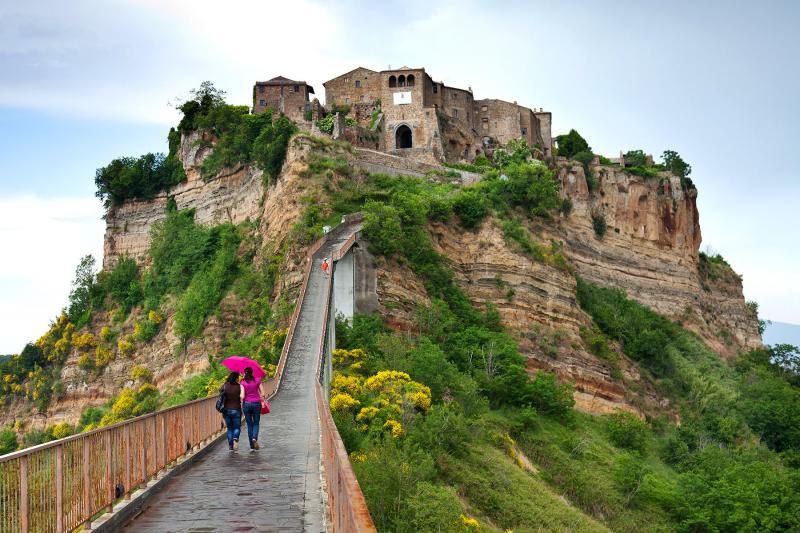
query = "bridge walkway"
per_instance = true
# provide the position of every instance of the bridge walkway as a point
(275, 489)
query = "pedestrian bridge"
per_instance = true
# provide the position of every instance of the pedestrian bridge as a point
(172, 471)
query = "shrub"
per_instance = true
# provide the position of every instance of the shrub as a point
(382, 227)
(674, 163)
(550, 397)
(8, 441)
(471, 208)
(635, 158)
(434, 508)
(122, 284)
(627, 431)
(571, 144)
(599, 225)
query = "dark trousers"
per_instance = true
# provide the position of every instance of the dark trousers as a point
(233, 421)
(252, 415)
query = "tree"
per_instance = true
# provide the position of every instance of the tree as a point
(201, 100)
(675, 164)
(786, 357)
(80, 298)
(571, 144)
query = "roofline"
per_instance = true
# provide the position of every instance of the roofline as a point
(349, 72)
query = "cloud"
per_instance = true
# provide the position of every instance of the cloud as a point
(42, 241)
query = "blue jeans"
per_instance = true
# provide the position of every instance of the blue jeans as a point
(252, 414)
(233, 421)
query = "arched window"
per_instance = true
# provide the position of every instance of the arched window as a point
(401, 81)
(392, 81)
(403, 137)
(410, 80)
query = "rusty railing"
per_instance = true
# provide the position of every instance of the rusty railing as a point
(61, 485)
(347, 508)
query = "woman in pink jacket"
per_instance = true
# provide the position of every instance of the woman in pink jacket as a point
(251, 405)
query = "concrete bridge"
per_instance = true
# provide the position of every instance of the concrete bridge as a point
(170, 470)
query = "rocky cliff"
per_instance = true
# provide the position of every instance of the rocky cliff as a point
(649, 249)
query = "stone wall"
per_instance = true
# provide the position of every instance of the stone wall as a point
(342, 90)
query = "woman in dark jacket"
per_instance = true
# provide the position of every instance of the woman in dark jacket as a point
(232, 413)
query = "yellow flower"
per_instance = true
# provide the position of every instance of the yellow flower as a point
(471, 523)
(395, 427)
(105, 333)
(62, 430)
(125, 345)
(421, 398)
(155, 317)
(348, 384)
(342, 402)
(367, 413)
(102, 356)
(386, 379)
(83, 341)
(358, 456)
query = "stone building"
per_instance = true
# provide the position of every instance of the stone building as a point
(429, 120)
(286, 96)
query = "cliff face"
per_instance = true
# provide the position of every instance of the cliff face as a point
(650, 249)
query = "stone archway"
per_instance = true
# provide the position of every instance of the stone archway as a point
(403, 137)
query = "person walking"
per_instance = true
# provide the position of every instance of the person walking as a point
(325, 266)
(232, 410)
(251, 396)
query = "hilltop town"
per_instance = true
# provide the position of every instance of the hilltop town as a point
(405, 112)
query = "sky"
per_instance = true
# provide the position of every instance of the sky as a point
(85, 81)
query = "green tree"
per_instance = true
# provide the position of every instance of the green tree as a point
(675, 164)
(80, 298)
(571, 144)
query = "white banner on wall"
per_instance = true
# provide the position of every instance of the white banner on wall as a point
(402, 98)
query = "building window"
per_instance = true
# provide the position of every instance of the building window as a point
(346, 100)
(484, 108)
(485, 125)
(455, 113)
(358, 84)
(297, 88)
(454, 96)
(467, 116)
(401, 81)
(392, 81)
(410, 80)
(262, 103)
(524, 131)
(435, 88)
(260, 88)
(362, 97)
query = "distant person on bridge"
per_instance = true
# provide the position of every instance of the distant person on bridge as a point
(232, 413)
(251, 405)
(325, 266)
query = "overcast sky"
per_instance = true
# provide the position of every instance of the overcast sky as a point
(716, 81)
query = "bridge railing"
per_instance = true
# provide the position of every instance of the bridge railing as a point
(346, 504)
(61, 485)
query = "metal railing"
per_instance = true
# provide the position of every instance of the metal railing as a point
(347, 507)
(61, 485)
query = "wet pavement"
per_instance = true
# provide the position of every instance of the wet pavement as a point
(278, 487)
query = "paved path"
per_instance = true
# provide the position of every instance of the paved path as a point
(278, 487)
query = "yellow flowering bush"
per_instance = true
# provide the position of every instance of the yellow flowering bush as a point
(213, 385)
(366, 413)
(102, 356)
(271, 370)
(470, 523)
(348, 357)
(155, 317)
(352, 385)
(106, 334)
(394, 427)
(125, 403)
(141, 373)
(342, 402)
(85, 362)
(84, 341)
(358, 456)
(62, 430)
(125, 346)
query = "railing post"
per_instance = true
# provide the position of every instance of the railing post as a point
(60, 489)
(23, 494)
(127, 434)
(109, 478)
(144, 453)
(164, 452)
(87, 484)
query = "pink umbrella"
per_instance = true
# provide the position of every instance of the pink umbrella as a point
(238, 364)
